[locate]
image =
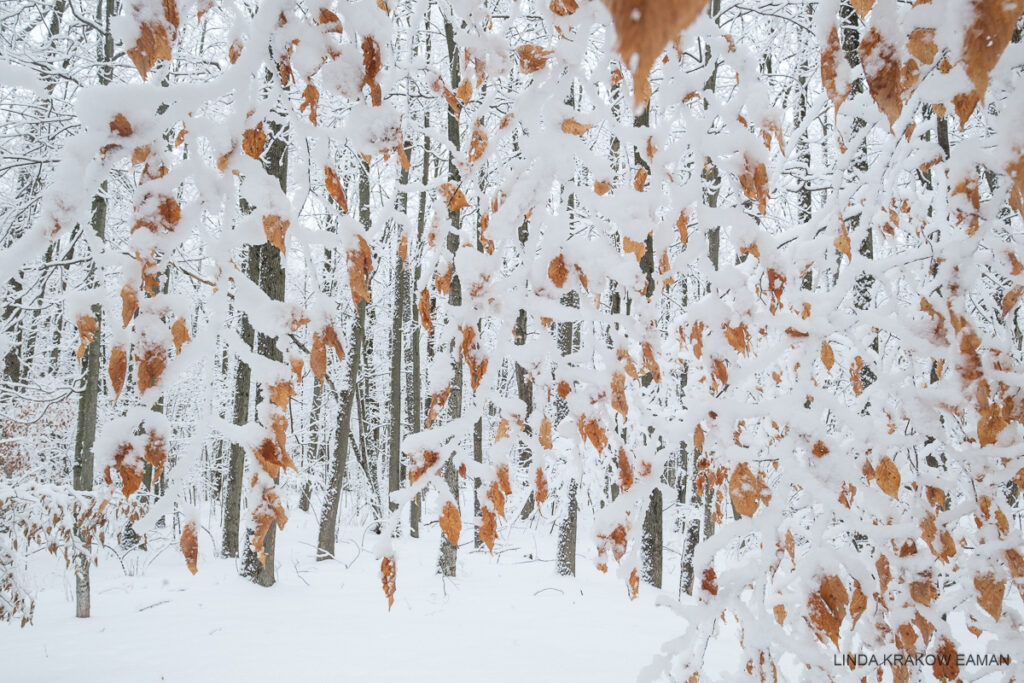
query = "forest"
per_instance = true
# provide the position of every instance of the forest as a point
(659, 340)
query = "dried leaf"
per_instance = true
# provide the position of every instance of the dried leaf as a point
(335, 188)
(151, 45)
(453, 197)
(275, 228)
(150, 364)
(189, 545)
(747, 490)
(117, 369)
(451, 522)
(360, 265)
(738, 337)
(557, 271)
(310, 100)
(540, 486)
(254, 140)
(488, 528)
(887, 477)
(828, 358)
(387, 579)
(990, 594)
(625, 470)
(827, 608)
(644, 28)
(87, 327)
(532, 58)
(602, 187)
(179, 332)
(571, 126)
(544, 437)
(619, 394)
(423, 306)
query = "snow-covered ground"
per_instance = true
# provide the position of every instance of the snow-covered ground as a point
(506, 617)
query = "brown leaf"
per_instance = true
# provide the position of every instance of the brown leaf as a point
(155, 453)
(179, 332)
(451, 522)
(990, 594)
(420, 466)
(862, 7)
(532, 58)
(254, 140)
(540, 486)
(477, 142)
(318, 357)
(310, 99)
(625, 470)
(121, 126)
(453, 197)
(544, 437)
(87, 327)
(747, 490)
(831, 57)
(650, 364)
(946, 667)
(557, 271)
(117, 368)
(827, 608)
(842, 242)
(709, 581)
(275, 228)
(1010, 300)
(984, 43)
(637, 249)
(602, 187)
(151, 45)
(497, 498)
(571, 126)
(150, 364)
(619, 394)
(644, 28)
(828, 358)
(738, 337)
(371, 68)
(633, 584)
(488, 528)
(754, 181)
(888, 477)
(387, 579)
(563, 8)
(189, 545)
(360, 265)
(423, 306)
(334, 187)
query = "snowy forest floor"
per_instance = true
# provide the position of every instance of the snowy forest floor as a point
(506, 617)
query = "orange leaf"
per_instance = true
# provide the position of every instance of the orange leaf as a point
(360, 265)
(619, 394)
(644, 29)
(87, 327)
(747, 490)
(488, 528)
(453, 197)
(532, 58)
(387, 579)
(117, 369)
(888, 477)
(179, 332)
(254, 140)
(828, 358)
(334, 187)
(275, 228)
(150, 365)
(152, 44)
(423, 306)
(571, 126)
(318, 357)
(310, 99)
(451, 522)
(842, 242)
(541, 486)
(827, 608)
(557, 272)
(545, 434)
(625, 470)
(190, 546)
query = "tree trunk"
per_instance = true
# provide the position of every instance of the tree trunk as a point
(329, 514)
